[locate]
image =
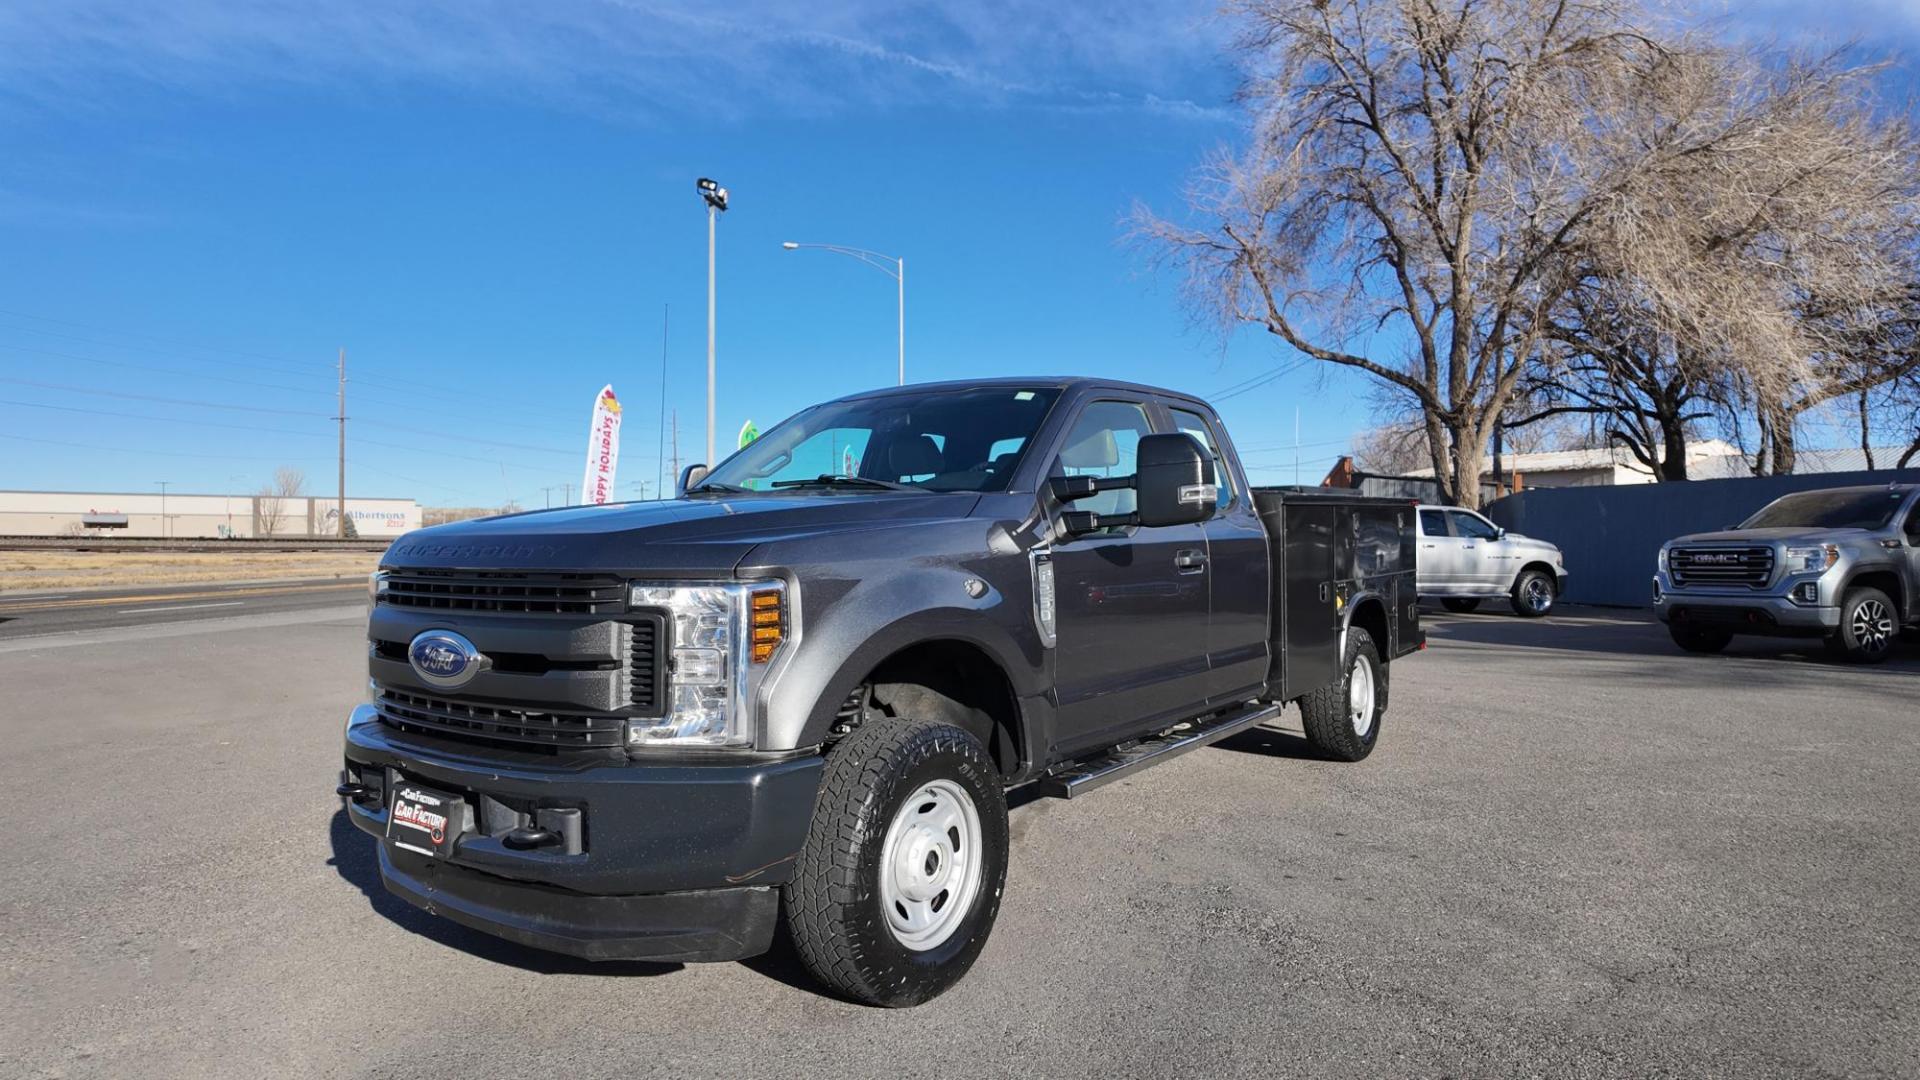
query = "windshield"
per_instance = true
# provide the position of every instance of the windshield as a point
(938, 440)
(1829, 510)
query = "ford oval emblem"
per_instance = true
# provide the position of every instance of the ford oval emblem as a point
(445, 659)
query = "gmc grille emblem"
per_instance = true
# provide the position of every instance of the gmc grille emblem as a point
(1720, 559)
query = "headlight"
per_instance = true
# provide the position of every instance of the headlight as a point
(376, 584)
(1663, 558)
(724, 635)
(1811, 560)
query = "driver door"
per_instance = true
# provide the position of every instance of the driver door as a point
(1911, 533)
(1131, 603)
(1443, 558)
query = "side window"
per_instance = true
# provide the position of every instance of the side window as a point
(1433, 523)
(1913, 523)
(1104, 442)
(1471, 526)
(1193, 424)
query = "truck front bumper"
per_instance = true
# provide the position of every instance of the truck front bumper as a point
(1774, 615)
(678, 861)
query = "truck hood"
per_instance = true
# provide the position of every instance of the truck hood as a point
(709, 534)
(1529, 543)
(1763, 536)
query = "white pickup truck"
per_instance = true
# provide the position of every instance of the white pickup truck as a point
(1464, 559)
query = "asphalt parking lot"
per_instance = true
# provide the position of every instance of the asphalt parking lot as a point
(1577, 852)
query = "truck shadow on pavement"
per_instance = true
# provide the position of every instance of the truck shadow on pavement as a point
(1632, 633)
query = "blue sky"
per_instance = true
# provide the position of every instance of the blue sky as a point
(488, 204)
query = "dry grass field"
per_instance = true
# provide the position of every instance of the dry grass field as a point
(35, 571)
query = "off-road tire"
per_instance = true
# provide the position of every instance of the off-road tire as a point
(1522, 586)
(1696, 640)
(833, 904)
(1869, 626)
(1327, 713)
(1460, 605)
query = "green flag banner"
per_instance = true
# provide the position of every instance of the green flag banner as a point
(748, 433)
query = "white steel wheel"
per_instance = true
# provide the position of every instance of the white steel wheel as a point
(1360, 696)
(931, 865)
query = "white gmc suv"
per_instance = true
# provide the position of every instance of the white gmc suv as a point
(1464, 559)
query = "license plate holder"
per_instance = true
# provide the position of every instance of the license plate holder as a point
(425, 819)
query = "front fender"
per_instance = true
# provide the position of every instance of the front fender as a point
(878, 617)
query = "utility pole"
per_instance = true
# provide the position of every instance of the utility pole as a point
(163, 505)
(342, 523)
(567, 493)
(676, 446)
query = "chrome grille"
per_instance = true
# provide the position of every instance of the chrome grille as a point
(505, 591)
(1734, 567)
(520, 729)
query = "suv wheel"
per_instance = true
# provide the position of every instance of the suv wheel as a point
(899, 882)
(1868, 626)
(1697, 640)
(1343, 720)
(1533, 594)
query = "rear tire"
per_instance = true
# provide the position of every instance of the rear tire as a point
(1699, 641)
(1533, 594)
(910, 812)
(1460, 605)
(1342, 719)
(1868, 626)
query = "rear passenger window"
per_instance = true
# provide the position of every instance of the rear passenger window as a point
(1190, 423)
(1433, 523)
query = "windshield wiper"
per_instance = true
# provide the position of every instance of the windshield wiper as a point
(835, 480)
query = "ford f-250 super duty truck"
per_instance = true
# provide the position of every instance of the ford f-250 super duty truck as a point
(1842, 564)
(802, 688)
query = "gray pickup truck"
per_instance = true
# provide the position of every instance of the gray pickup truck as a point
(1841, 564)
(801, 689)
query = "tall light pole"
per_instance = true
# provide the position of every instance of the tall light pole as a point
(716, 197)
(897, 271)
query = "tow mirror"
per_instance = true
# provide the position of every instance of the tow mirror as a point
(1175, 482)
(690, 476)
(1174, 485)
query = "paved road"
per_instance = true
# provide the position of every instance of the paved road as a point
(33, 615)
(1576, 853)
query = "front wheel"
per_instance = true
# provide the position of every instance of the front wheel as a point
(1533, 594)
(899, 882)
(1342, 719)
(1867, 626)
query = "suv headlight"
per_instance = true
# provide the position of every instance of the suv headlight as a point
(723, 635)
(1663, 558)
(1812, 560)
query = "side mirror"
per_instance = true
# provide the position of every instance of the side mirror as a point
(690, 476)
(1499, 533)
(1174, 485)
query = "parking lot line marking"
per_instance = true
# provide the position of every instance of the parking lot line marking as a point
(176, 607)
(36, 604)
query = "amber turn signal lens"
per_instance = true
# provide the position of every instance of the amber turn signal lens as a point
(769, 624)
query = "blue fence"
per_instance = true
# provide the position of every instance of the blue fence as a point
(1612, 535)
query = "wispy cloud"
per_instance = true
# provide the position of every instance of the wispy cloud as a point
(638, 59)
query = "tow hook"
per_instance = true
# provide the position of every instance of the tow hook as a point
(528, 837)
(360, 793)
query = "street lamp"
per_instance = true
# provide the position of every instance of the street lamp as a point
(716, 198)
(886, 264)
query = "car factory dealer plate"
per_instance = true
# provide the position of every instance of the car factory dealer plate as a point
(423, 819)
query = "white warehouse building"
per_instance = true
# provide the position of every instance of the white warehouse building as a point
(186, 515)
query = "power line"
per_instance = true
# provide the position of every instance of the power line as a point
(144, 451)
(149, 397)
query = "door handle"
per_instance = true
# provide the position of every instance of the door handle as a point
(1190, 561)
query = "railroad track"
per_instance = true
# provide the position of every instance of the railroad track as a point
(161, 544)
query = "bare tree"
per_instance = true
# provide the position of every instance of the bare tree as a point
(1422, 171)
(273, 499)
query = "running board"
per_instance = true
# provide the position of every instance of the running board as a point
(1081, 777)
